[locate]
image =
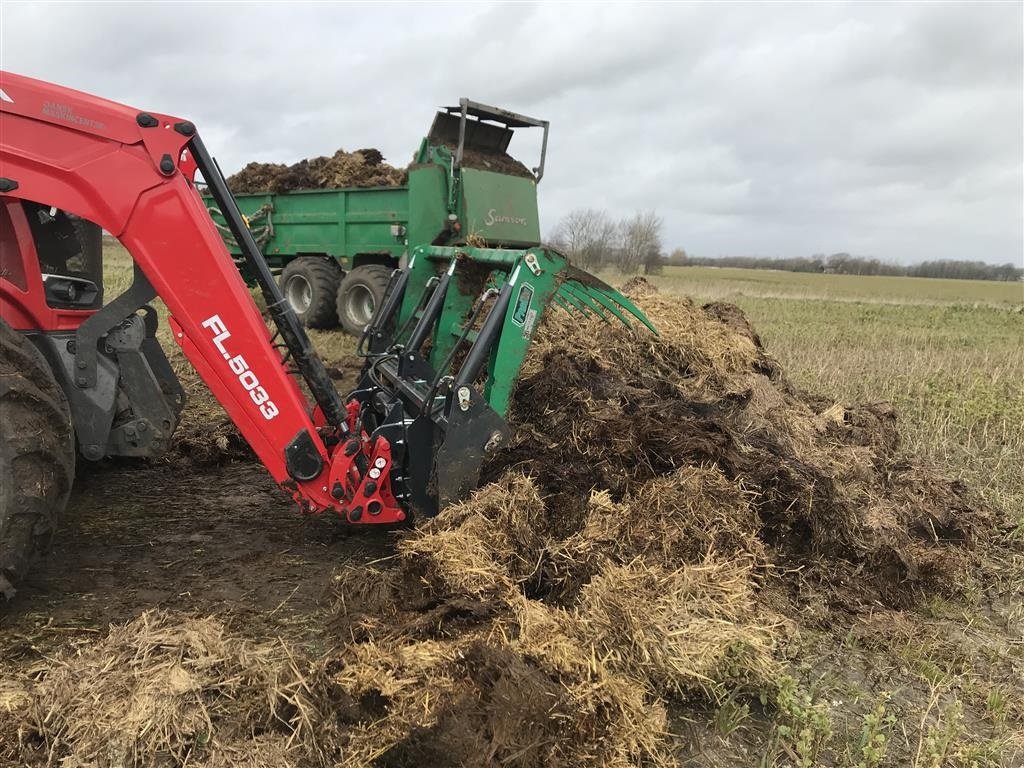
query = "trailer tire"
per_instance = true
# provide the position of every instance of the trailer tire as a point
(360, 293)
(37, 456)
(310, 285)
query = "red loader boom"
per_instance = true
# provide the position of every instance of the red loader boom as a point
(410, 438)
(132, 173)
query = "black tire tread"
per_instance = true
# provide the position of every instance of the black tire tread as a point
(37, 456)
(373, 276)
(324, 276)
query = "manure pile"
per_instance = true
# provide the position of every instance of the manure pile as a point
(496, 162)
(157, 692)
(362, 168)
(667, 507)
(670, 513)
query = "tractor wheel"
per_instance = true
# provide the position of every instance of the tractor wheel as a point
(361, 292)
(310, 283)
(37, 456)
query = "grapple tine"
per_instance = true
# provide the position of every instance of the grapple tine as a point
(567, 297)
(607, 303)
(577, 292)
(595, 286)
(629, 306)
(562, 302)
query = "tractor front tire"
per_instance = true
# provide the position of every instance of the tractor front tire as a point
(360, 293)
(310, 285)
(37, 456)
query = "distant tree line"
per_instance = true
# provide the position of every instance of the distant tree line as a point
(593, 240)
(966, 270)
(845, 264)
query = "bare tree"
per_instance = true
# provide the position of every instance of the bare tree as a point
(640, 241)
(654, 260)
(678, 257)
(587, 236)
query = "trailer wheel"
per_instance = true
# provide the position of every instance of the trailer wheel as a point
(360, 293)
(37, 456)
(310, 283)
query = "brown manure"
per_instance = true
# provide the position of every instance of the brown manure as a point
(495, 162)
(471, 648)
(827, 484)
(205, 436)
(659, 495)
(362, 168)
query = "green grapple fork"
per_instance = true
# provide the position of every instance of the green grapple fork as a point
(445, 350)
(446, 345)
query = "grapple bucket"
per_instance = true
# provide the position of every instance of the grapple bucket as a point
(443, 354)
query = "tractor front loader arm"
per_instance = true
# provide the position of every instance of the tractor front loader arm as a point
(132, 173)
(443, 349)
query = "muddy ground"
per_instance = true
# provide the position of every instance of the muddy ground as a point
(222, 541)
(200, 531)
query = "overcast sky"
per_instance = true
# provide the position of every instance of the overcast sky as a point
(886, 130)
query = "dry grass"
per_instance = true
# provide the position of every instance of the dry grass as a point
(735, 285)
(685, 630)
(171, 689)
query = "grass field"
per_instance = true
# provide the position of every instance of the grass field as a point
(948, 353)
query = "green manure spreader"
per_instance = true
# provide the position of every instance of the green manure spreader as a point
(335, 250)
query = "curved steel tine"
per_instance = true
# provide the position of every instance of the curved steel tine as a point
(563, 303)
(595, 284)
(607, 303)
(576, 290)
(572, 301)
(619, 298)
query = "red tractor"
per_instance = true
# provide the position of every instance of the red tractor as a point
(80, 377)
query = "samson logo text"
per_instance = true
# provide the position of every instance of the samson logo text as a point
(493, 217)
(67, 114)
(240, 368)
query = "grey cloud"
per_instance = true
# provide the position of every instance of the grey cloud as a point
(890, 130)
